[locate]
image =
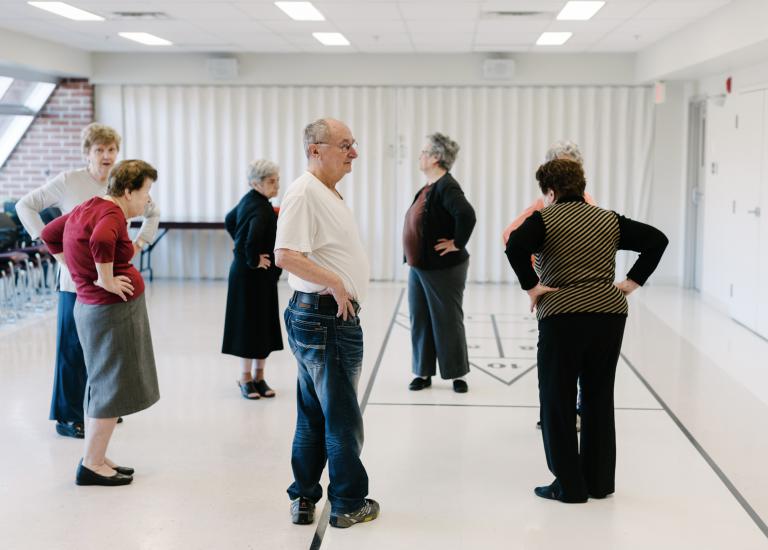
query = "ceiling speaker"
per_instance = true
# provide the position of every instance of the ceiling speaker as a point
(223, 68)
(498, 69)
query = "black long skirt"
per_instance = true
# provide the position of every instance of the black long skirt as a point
(252, 322)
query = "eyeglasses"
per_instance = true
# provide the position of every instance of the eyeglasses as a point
(344, 147)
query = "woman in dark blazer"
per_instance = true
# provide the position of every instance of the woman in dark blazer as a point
(437, 227)
(581, 314)
(252, 322)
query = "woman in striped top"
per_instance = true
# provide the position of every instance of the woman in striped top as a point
(581, 314)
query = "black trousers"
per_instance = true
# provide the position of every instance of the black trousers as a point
(585, 345)
(435, 301)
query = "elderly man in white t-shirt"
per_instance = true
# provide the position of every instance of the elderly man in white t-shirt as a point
(318, 243)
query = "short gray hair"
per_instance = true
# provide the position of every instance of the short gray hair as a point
(318, 131)
(565, 149)
(444, 148)
(259, 170)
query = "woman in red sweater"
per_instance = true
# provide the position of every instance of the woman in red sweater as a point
(110, 312)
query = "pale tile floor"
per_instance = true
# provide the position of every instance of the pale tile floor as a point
(451, 471)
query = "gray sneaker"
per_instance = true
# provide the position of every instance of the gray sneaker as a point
(368, 512)
(302, 511)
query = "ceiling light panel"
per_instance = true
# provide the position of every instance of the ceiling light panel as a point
(301, 11)
(146, 38)
(331, 38)
(65, 10)
(553, 38)
(579, 10)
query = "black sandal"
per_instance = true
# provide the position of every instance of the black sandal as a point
(262, 387)
(247, 388)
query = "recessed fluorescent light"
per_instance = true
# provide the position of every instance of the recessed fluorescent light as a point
(331, 38)
(301, 11)
(65, 10)
(146, 38)
(553, 38)
(578, 10)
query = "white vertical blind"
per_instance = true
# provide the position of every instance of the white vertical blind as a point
(201, 139)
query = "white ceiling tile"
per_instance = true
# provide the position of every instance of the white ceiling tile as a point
(440, 10)
(443, 38)
(242, 25)
(205, 11)
(646, 30)
(307, 27)
(496, 26)
(449, 25)
(383, 40)
(262, 11)
(592, 26)
(376, 25)
(501, 48)
(677, 9)
(360, 11)
(372, 27)
(392, 48)
(507, 39)
(621, 10)
(523, 5)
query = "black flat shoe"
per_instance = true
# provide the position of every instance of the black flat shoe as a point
(420, 383)
(460, 386)
(247, 388)
(553, 492)
(125, 470)
(89, 477)
(70, 429)
(119, 419)
(263, 388)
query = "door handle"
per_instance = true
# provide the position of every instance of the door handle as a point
(756, 211)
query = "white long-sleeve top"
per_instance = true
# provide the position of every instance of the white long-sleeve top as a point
(66, 191)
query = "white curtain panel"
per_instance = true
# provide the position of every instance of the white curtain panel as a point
(201, 139)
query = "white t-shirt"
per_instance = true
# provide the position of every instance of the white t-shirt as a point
(66, 191)
(313, 220)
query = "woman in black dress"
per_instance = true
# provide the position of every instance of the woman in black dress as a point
(252, 323)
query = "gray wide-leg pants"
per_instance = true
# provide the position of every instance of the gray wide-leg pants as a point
(435, 300)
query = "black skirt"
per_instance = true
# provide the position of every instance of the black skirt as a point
(252, 322)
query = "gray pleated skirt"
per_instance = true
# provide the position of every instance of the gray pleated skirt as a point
(117, 346)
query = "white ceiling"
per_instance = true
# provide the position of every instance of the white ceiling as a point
(372, 26)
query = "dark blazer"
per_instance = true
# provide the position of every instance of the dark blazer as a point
(252, 224)
(447, 215)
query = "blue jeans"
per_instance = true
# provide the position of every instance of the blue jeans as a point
(329, 424)
(70, 376)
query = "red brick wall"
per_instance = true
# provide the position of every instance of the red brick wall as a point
(52, 142)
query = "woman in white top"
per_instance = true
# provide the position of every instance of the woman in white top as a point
(101, 145)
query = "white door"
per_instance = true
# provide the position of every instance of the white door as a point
(716, 206)
(746, 176)
(762, 301)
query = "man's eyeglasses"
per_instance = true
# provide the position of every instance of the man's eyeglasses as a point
(344, 147)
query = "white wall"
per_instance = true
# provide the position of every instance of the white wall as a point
(365, 69)
(667, 197)
(25, 52)
(733, 34)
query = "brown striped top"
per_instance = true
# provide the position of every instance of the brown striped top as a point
(575, 246)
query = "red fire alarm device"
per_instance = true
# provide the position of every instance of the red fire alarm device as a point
(728, 84)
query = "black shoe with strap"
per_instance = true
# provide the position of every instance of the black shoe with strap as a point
(263, 388)
(460, 386)
(420, 383)
(249, 389)
(70, 429)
